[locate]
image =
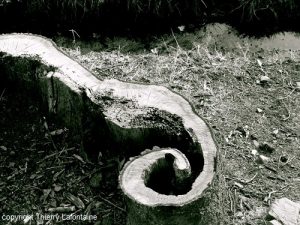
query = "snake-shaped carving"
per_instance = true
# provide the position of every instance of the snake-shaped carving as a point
(136, 112)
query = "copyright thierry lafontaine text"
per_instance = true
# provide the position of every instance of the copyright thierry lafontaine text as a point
(46, 217)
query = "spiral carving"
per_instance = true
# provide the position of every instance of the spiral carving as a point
(175, 174)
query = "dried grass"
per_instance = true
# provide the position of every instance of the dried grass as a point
(222, 85)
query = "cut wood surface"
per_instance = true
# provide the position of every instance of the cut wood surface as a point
(127, 106)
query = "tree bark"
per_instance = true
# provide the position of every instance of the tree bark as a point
(165, 185)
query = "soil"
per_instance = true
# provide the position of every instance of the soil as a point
(42, 168)
(256, 121)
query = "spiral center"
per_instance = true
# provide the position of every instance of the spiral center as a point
(169, 176)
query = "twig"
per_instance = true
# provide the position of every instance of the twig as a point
(93, 172)
(48, 133)
(112, 204)
(1, 96)
(204, 3)
(55, 154)
(271, 169)
(175, 38)
(248, 181)
(73, 33)
(288, 111)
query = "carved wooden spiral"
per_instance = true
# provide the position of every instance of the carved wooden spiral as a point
(164, 185)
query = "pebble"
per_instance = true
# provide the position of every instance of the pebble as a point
(275, 132)
(254, 152)
(264, 79)
(259, 110)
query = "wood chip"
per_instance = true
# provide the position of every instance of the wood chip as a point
(285, 211)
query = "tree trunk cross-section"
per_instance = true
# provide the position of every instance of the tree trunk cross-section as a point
(164, 185)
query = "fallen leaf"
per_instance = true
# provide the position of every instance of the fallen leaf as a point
(75, 200)
(3, 148)
(79, 158)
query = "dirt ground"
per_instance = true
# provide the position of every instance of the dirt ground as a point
(43, 171)
(247, 94)
(247, 91)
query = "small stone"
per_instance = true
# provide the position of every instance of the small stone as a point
(239, 185)
(285, 211)
(264, 79)
(275, 132)
(259, 110)
(254, 152)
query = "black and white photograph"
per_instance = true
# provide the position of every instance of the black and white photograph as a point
(150, 112)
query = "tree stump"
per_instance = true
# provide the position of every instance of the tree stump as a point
(165, 185)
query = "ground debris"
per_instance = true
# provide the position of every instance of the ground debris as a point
(285, 211)
(47, 168)
(62, 209)
(274, 222)
(75, 200)
(298, 86)
(259, 110)
(264, 80)
(3, 148)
